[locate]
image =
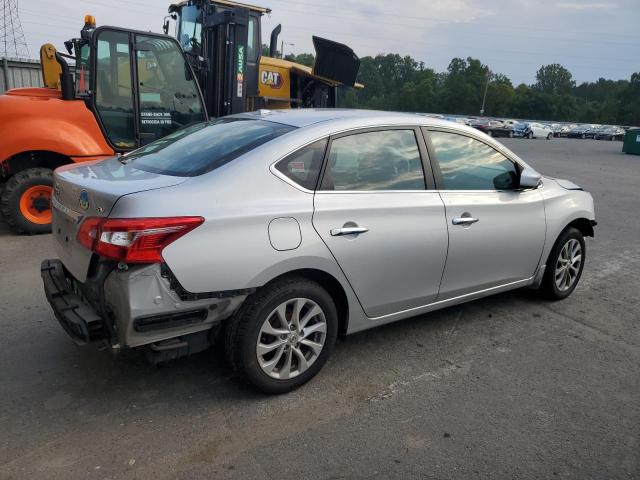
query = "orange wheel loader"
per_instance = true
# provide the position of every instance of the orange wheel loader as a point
(127, 88)
(117, 89)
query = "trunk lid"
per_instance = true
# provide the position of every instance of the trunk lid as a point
(91, 190)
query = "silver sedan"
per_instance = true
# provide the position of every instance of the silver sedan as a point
(277, 231)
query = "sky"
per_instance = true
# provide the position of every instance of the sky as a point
(592, 38)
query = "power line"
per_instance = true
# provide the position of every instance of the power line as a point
(448, 19)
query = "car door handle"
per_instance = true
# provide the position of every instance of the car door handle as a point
(464, 220)
(335, 232)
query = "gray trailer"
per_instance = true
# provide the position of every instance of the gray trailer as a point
(16, 73)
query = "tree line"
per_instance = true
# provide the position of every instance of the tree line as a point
(393, 82)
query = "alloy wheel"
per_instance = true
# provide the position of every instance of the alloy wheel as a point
(291, 338)
(568, 265)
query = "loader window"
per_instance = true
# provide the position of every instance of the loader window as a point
(253, 40)
(190, 29)
(114, 97)
(83, 70)
(168, 96)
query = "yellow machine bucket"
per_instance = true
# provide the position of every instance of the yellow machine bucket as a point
(51, 69)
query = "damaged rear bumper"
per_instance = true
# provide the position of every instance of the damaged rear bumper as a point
(76, 316)
(134, 307)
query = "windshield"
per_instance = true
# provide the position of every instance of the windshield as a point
(203, 147)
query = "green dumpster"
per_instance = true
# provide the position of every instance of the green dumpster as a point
(632, 141)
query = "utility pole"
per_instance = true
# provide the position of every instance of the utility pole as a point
(486, 87)
(12, 41)
(282, 44)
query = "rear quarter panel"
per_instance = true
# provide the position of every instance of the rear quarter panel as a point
(232, 250)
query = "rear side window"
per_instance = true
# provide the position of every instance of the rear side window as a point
(379, 160)
(303, 166)
(204, 147)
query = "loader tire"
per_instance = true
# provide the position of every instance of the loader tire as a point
(25, 201)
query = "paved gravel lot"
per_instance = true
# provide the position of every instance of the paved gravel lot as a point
(505, 387)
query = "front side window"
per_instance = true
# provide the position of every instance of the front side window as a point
(203, 147)
(468, 164)
(114, 96)
(168, 95)
(303, 166)
(379, 160)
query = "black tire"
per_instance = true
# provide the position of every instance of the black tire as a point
(13, 190)
(583, 136)
(548, 287)
(490, 133)
(510, 134)
(530, 135)
(242, 330)
(549, 136)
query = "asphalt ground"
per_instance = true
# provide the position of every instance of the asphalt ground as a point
(505, 387)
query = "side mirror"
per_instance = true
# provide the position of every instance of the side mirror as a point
(529, 178)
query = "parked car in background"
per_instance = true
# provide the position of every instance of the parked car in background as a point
(285, 229)
(593, 131)
(538, 130)
(564, 130)
(580, 131)
(611, 133)
(556, 129)
(520, 129)
(495, 128)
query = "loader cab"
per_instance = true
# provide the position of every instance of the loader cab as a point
(138, 84)
(222, 40)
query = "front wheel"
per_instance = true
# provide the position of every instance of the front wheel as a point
(564, 265)
(25, 201)
(282, 335)
(549, 136)
(530, 135)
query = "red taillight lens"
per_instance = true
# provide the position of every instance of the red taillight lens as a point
(134, 240)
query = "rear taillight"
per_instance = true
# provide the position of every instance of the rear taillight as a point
(133, 240)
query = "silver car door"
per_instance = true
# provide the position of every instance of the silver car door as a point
(496, 230)
(382, 224)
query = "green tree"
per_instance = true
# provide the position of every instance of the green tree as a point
(629, 98)
(554, 79)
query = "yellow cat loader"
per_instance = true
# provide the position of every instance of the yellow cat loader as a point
(223, 41)
(118, 89)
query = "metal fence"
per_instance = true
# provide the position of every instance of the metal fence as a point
(19, 73)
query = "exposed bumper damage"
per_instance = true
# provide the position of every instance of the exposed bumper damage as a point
(134, 307)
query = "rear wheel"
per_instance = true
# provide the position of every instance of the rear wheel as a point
(510, 134)
(282, 335)
(549, 136)
(490, 133)
(26, 201)
(564, 265)
(530, 135)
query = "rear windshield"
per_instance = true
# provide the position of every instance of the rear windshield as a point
(204, 147)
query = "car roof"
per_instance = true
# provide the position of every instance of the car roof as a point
(309, 116)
